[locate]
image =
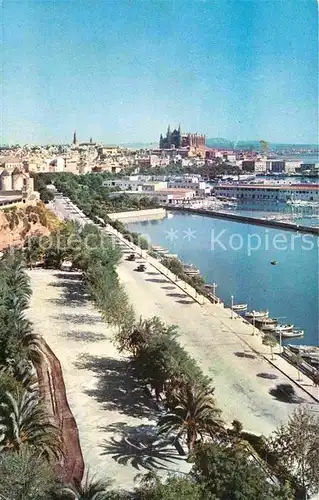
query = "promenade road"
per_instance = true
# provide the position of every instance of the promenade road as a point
(218, 343)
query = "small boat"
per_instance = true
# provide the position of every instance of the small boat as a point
(257, 314)
(293, 334)
(267, 321)
(273, 262)
(191, 270)
(284, 328)
(240, 307)
(267, 327)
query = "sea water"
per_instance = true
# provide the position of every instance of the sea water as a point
(237, 257)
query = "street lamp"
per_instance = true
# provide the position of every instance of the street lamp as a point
(214, 286)
(254, 323)
(232, 306)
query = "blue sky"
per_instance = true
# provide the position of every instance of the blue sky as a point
(121, 70)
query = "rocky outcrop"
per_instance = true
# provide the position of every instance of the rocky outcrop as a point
(17, 223)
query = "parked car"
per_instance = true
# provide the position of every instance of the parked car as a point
(131, 257)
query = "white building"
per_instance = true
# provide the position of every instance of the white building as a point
(190, 182)
(269, 192)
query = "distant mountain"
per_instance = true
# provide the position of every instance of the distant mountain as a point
(254, 144)
(219, 142)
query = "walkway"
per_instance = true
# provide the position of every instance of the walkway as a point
(115, 417)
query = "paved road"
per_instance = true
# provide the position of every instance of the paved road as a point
(218, 343)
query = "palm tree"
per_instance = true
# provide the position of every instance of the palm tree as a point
(193, 415)
(89, 490)
(17, 280)
(32, 250)
(23, 420)
(23, 374)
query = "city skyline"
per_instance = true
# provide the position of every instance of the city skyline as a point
(122, 71)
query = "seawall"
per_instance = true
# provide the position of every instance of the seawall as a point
(139, 215)
(286, 226)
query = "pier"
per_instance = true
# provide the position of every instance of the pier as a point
(286, 226)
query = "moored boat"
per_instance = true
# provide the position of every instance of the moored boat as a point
(267, 321)
(284, 328)
(267, 327)
(256, 314)
(240, 307)
(293, 334)
(191, 270)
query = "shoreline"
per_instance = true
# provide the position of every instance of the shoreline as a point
(278, 362)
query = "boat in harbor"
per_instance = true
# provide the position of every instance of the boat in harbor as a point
(240, 307)
(267, 327)
(256, 315)
(267, 321)
(309, 352)
(284, 328)
(191, 270)
(292, 334)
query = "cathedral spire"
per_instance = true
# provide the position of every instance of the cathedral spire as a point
(74, 138)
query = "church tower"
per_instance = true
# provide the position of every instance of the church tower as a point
(75, 141)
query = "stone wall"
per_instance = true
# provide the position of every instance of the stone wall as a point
(139, 215)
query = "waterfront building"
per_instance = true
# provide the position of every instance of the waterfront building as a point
(166, 196)
(291, 166)
(194, 183)
(135, 183)
(275, 166)
(309, 168)
(269, 192)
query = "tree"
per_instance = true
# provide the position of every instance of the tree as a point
(135, 336)
(23, 420)
(173, 488)
(194, 414)
(14, 298)
(296, 445)
(230, 473)
(25, 476)
(297, 360)
(88, 490)
(271, 342)
(33, 251)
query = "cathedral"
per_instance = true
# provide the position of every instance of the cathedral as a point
(195, 143)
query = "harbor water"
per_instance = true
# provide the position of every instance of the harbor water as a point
(237, 257)
(302, 215)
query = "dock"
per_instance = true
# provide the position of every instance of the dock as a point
(286, 226)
